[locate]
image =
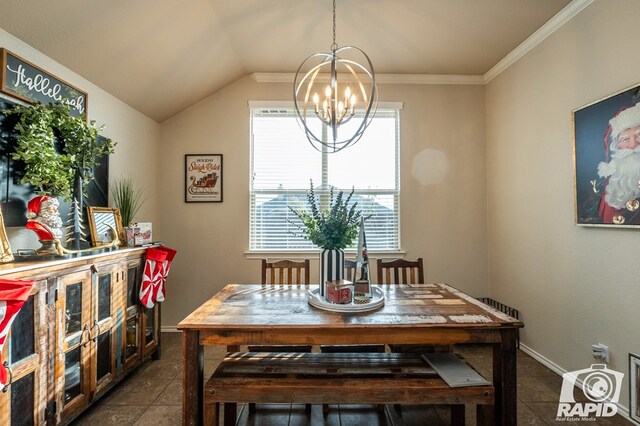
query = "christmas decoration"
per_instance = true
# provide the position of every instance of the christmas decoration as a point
(13, 294)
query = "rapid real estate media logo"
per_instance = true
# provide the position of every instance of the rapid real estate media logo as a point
(599, 385)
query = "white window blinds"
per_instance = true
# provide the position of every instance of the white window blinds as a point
(283, 162)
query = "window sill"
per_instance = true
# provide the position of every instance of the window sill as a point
(315, 254)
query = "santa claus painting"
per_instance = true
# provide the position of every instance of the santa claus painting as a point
(619, 203)
(607, 156)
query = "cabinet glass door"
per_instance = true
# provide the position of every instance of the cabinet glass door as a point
(132, 335)
(104, 361)
(25, 355)
(73, 343)
(150, 327)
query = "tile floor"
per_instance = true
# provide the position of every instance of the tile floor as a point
(152, 396)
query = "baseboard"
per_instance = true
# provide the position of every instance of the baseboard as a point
(169, 329)
(622, 410)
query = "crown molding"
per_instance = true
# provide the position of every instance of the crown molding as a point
(264, 77)
(551, 26)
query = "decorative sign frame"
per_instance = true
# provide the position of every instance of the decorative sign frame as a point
(28, 82)
(203, 178)
(607, 192)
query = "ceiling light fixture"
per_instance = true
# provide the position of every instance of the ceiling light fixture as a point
(350, 94)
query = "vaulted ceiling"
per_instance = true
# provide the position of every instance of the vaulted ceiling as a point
(162, 56)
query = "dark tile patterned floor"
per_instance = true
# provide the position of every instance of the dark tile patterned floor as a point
(152, 396)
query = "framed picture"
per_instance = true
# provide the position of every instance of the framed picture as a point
(634, 387)
(105, 224)
(606, 154)
(203, 178)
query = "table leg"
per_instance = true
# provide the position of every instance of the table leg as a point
(192, 378)
(504, 378)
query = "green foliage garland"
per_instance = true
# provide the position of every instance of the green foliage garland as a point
(333, 228)
(51, 172)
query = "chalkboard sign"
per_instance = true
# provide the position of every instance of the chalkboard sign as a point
(25, 81)
(14, 196)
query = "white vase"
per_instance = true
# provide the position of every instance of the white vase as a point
(331, 267)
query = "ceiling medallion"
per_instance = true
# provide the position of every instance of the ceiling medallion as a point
(349, 96)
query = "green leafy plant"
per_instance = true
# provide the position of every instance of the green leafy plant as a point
(52, 170)
(334, 228)
(128, 198)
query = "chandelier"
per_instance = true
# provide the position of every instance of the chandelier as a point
(349, 93)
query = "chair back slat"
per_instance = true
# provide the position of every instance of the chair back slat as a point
(285, 272)
(349, 270)
(404, 271)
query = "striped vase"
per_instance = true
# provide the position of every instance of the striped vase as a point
(331, 267)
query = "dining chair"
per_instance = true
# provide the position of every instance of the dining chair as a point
(402, 271)
(349, 274)
(283, 272)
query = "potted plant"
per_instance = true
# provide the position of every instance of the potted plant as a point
(128, 198)
(59, 153)
(332, 229)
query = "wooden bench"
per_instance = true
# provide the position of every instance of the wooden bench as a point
(335, 378)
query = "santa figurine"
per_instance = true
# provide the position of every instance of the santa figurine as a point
(620, 201)
(43, 218)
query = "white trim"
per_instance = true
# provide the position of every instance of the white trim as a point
(314, 255)
(289, 104)
(551, 26)
(169, 329)
(622, 410)
(267, 77)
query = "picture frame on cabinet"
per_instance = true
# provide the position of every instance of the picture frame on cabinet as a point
(102, 222)
(203, 178)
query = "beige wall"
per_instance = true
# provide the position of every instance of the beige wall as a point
(575, 286)
(443, 220)
(135, 155)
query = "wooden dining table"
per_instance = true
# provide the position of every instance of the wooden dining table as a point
(243, 314)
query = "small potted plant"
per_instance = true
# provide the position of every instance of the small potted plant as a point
(128, 198)
(332, 229)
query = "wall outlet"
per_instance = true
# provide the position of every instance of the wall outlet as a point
(600, 352)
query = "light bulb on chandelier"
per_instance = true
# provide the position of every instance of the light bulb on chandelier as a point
(348, 81)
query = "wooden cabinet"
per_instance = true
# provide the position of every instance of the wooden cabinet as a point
(80, 332)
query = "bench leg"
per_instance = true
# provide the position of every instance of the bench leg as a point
(457, 415)
(230, 413)
(212, 414)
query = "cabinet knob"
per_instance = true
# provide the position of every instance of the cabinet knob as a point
(95, 337)
(84, 344)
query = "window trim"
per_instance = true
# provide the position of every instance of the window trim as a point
(314, 254)
(249, 253)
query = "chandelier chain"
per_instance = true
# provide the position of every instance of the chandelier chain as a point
(334, 46)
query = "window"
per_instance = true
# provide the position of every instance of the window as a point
(283, 162)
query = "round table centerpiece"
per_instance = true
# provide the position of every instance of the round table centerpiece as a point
(332, 228)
